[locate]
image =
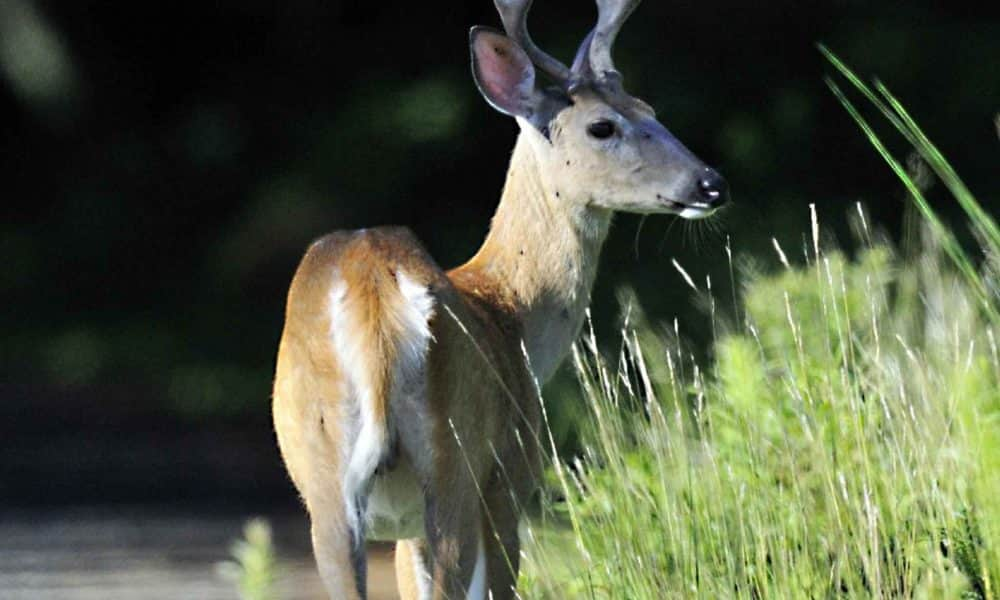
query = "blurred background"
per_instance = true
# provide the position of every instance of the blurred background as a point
(164, 166)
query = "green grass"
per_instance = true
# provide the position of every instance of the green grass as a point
(845, 441)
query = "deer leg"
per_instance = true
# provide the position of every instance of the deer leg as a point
(340, 555)
(501, 543)
(453, 538)
(413, 578)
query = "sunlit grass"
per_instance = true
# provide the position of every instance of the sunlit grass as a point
(844, 442)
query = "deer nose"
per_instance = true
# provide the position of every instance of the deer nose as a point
(713, 188)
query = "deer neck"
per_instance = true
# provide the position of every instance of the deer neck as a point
(542, 251)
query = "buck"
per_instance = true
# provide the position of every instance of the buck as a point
(405, 400)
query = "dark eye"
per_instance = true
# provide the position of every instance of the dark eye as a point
(601, 129)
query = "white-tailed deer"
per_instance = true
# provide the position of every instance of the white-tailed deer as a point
(405, 396)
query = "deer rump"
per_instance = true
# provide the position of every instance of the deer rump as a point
(380, 308)
(396, 385)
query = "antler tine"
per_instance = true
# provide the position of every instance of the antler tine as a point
(611, 17)
(514, 14)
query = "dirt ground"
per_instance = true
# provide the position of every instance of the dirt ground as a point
(153, 554)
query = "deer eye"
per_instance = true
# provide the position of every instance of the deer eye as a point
(601, 129)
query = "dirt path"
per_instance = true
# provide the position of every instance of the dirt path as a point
(103, 554)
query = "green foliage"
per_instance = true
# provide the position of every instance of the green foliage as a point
(839, 446)
(254, 566)
(845, 442)
(980, 221)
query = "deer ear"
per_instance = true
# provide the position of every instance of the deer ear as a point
(503, 72)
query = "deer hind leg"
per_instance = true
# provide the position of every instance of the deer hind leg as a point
(338, 526)
(413, 577)
(455, 547)
(308, 434)
(340, 557)
(501, 543)
(339, 501)
(416, 581)
(336, 499)
(448, 562)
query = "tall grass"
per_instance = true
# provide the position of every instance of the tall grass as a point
(845, 442)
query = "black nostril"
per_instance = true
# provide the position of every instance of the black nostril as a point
(713, 188)
(709, 190)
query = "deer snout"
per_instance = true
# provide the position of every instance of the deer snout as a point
(713, 189)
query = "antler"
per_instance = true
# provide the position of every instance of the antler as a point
(611, 17)
(514, 14)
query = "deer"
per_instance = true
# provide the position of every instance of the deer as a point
(405, 396)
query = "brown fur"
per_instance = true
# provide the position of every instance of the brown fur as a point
(480, 395)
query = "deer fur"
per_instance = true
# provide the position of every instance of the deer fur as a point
(405, 396)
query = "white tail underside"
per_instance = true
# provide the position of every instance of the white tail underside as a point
(413, 312)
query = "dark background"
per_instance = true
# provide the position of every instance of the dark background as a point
(164, 166)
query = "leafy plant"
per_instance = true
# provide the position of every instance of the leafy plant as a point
(253, 568)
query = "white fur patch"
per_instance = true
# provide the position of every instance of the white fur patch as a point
(477, 585)
(413, 314)
(417, 313)
(421, 576)
(370, 444)
(694, 213)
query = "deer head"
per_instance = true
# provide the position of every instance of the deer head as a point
(592, 139)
